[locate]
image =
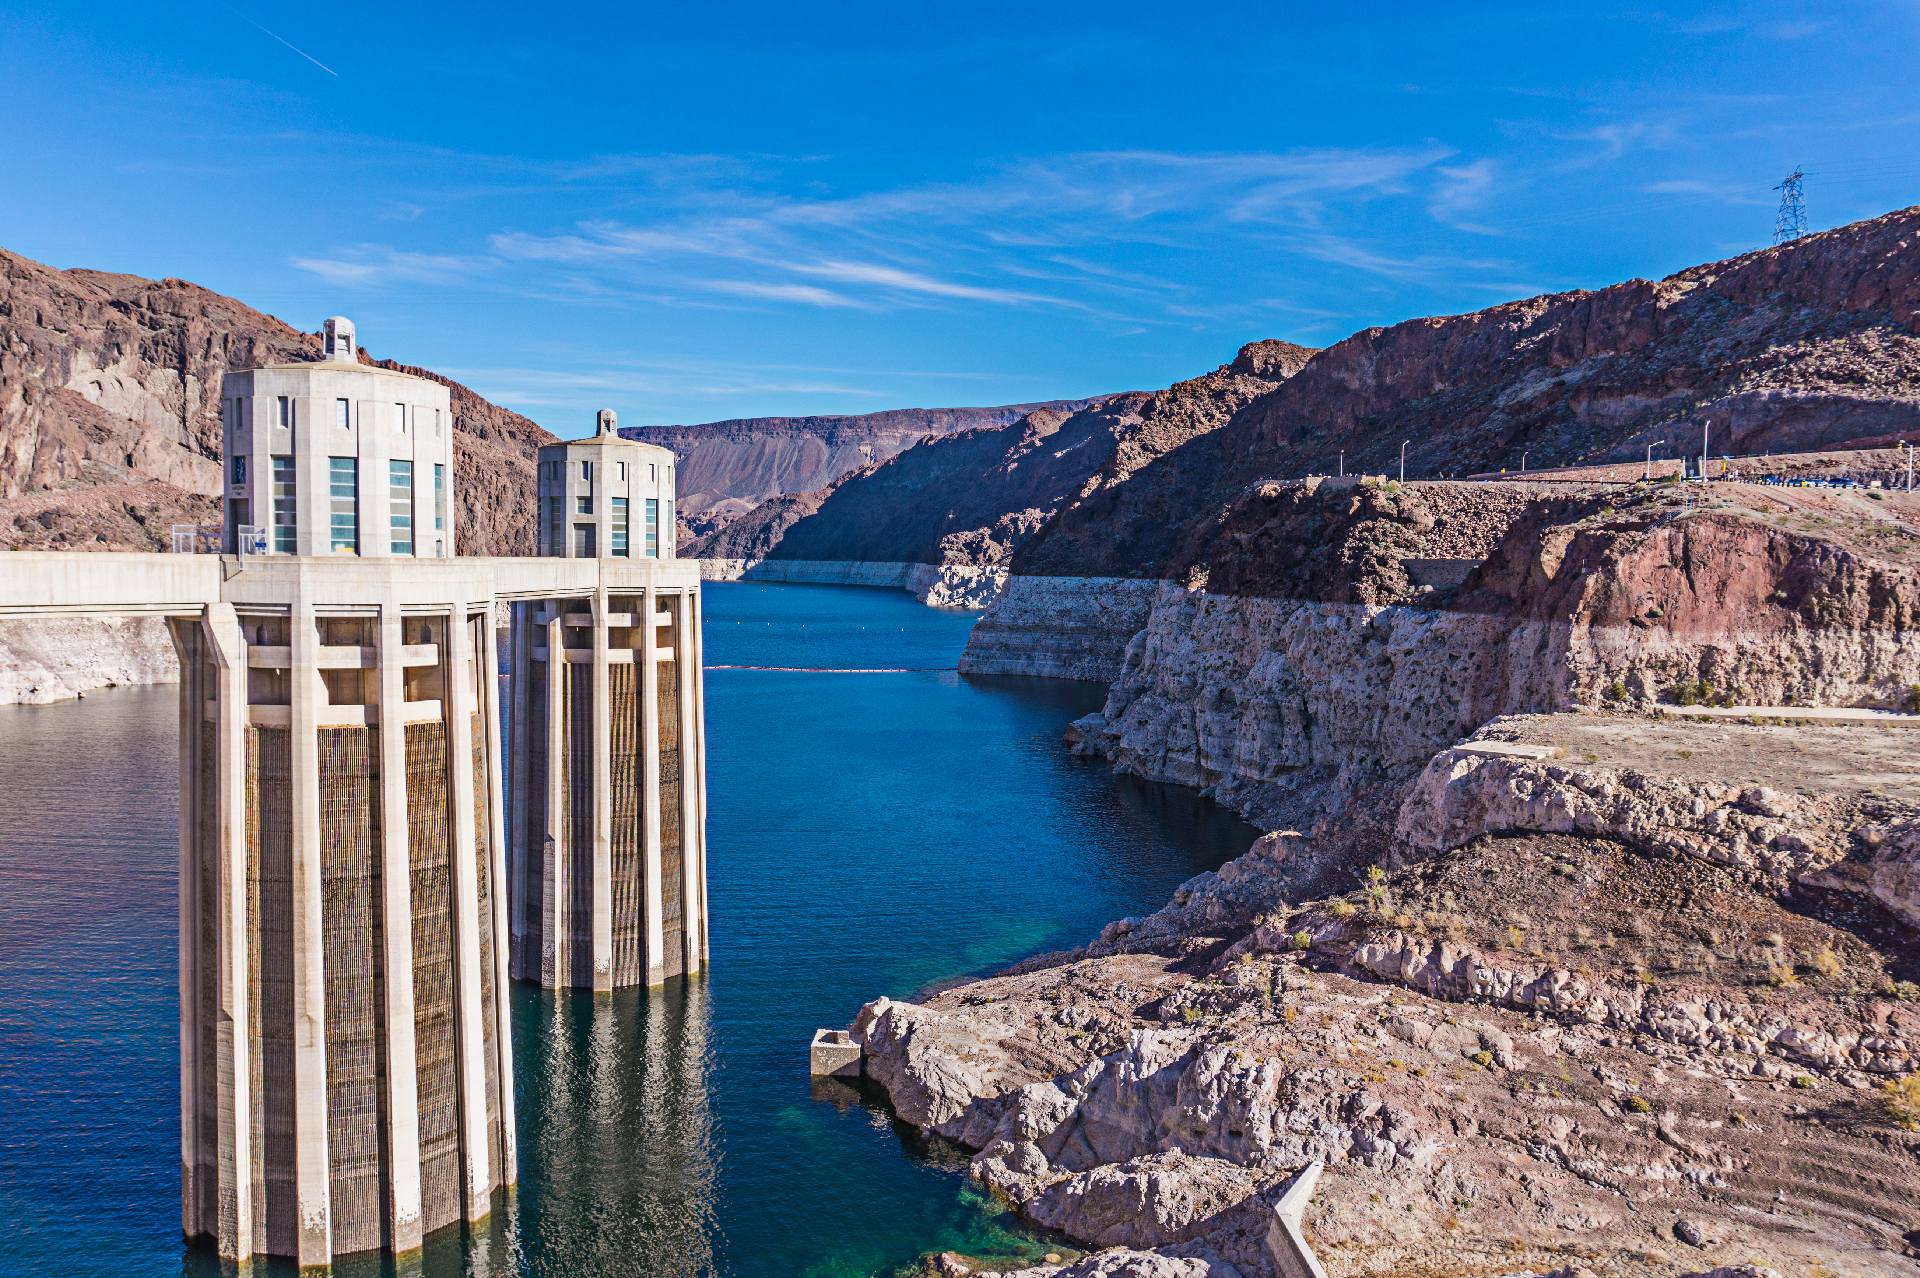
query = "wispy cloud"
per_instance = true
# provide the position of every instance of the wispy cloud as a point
(779, 292)
(376, 265)
(1464, 189)
(1060, 232)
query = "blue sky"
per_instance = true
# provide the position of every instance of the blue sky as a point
(690, 213)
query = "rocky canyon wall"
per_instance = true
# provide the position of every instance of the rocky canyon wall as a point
(59, 658)
(727, 468)
(1309, 712)
(975, 497)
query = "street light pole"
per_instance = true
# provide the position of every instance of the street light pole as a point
(1650, 448)
(1706, 433)
(1523, 463)
(1403, 459)
(1343, 463)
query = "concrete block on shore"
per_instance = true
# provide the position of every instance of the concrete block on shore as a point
(835, 1054)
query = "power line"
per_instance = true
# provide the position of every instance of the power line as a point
(1791, 222)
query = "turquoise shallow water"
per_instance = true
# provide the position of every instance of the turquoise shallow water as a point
(869, 834)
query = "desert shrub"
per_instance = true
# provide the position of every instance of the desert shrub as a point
(1905, 991)
(1824, 961)
(1483, 1059)
(1639, 1105)
(1902, 1097)
(1616, 691)
(1302, 940)
(1340, 909)
(1802, 1082)
(1913, 699)
(1684, 693)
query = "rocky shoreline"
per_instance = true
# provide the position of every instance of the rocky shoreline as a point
(1661, 1033)
(1550, 975)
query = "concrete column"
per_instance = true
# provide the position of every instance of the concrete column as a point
(602, 797)
(650, 784)
(695, 675)
(311, 1188)
(502, 1063)
(525, 842)
(691, 909)
(235, 1047)
(396, 932)
(469, 1008)
(197, 1163)
(555, 962)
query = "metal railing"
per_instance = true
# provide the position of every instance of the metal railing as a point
(197, 539)
(210, 539)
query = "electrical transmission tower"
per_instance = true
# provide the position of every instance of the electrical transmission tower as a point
(1791, 222)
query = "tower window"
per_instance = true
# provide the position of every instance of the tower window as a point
(619, 530)
(556, 525)
(341, 418)
(439, 498)
(400, 505)
(240, 469)
(285, 418)
(586, 471)
(621, 472)
(400, 415)
(652, 528)
(583, 505)
(343, 486)
(284, 528)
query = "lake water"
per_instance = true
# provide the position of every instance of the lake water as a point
(868, 834)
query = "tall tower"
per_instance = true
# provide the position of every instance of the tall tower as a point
(1790, 223)
(608, 839)
(346, 1065)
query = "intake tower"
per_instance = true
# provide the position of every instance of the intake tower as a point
(362, 865)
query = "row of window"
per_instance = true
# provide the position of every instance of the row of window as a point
(585, 535)
(407, 419)
(343, 512)
(557, 472)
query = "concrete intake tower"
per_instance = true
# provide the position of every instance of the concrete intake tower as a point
(389, 808)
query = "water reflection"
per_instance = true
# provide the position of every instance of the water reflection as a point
(617, 1155)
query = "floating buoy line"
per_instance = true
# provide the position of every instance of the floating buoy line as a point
(837, 669)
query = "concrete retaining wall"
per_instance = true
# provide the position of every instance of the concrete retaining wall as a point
(937, 585)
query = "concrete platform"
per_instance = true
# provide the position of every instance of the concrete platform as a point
(1511, 750)
(1828, 715)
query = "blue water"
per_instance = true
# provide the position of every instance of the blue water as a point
(868, 834)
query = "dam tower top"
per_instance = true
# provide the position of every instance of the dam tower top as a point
(337, 457)
(606, 497)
